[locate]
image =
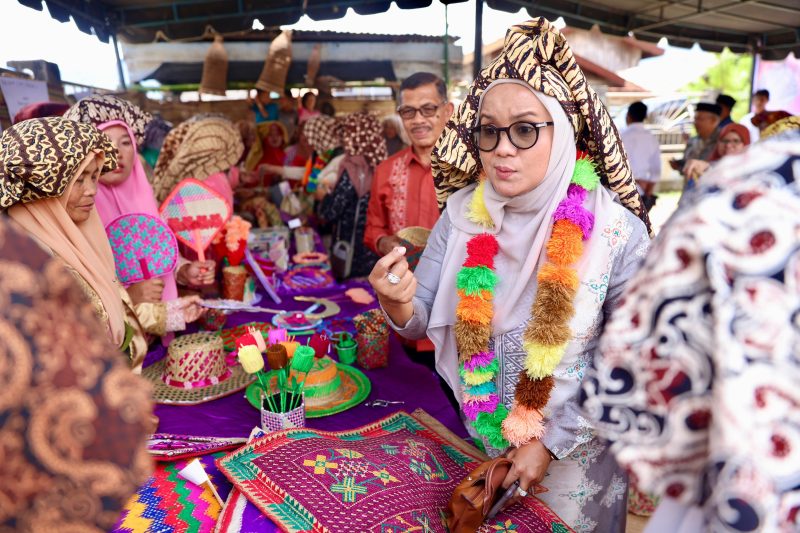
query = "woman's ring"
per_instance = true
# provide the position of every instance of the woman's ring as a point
(522, 492)
(394, 279)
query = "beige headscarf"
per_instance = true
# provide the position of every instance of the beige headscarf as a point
(196, 149)
(60, 150)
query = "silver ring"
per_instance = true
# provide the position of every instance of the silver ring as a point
(394, 279)
(522, 492)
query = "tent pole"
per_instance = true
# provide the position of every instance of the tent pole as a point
(752, 80)
(478, 54)
(119, 61)
(446, 49)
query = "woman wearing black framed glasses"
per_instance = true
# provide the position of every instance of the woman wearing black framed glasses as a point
(527, 259)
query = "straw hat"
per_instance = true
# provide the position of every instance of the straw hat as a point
(195, 371)
(330, 388)
(276, 67)
(215, 69)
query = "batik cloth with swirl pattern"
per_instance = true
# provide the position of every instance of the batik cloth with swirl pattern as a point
(696, 378)
(101, 108)
(72, 434)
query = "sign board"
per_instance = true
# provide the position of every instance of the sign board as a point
(19, 92)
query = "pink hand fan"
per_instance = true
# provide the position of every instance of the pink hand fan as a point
(196, 213)
(143, 247)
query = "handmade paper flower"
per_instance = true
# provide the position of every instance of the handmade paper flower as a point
(258, 337)
(303, 359)
(277, 357)
(250, 359)
(290, 347)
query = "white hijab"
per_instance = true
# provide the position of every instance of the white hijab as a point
(522, 225)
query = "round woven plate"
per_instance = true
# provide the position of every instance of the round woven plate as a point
(163, 393)
(354, 389)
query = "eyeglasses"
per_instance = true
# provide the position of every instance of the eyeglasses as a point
(523, 135)
(730, 141)
(407, 112)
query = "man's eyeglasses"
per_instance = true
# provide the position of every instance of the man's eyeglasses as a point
(522, 134)
(407, 112)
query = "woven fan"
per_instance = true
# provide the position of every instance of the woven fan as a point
(196, 213)
(143, 247)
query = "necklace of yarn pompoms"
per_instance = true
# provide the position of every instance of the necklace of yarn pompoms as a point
(313, 168)
(547, 333)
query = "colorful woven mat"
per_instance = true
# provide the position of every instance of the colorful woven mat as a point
(394, 475)
(167, 503)
(230, 335)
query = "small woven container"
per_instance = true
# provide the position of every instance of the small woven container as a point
(194, 358)
(296, 418)
(234, 279)
(414, 238)
(347, 350)
(213, 320)
(304, 240)
(372, 339)
(215, 69)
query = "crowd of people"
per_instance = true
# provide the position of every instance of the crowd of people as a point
(589, 355)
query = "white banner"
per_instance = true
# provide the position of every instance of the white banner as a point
(19, 92)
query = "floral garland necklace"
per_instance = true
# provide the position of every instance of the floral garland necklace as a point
(547, 334)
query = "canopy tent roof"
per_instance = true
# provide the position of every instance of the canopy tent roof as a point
(769, 27)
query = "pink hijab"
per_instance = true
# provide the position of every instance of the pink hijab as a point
(134, 195)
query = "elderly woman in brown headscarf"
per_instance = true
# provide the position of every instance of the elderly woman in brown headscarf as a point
(48, 181)
(528, 258)
(346, 203)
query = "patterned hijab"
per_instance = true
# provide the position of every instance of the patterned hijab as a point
(196, 149)
(362, 134)
(537, 53)
(98, 108)
(73, 413)
(40, 160)
(322, 133)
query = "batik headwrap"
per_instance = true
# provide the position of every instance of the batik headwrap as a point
(780, 127)
(322, 133)
(39, 157)
(196, 149)
(362, 134)
(98, 109)
(537, 53)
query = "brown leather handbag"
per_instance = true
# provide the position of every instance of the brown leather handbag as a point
(474, 497)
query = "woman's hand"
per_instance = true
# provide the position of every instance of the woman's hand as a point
(190, 308)
(395, 298)
(530, 465)
(197, 273)
(148, 291)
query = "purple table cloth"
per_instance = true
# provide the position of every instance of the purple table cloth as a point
(232, 416)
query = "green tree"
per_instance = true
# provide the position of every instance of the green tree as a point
(730, 75)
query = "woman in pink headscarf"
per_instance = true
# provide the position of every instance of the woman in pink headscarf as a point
(127, 190)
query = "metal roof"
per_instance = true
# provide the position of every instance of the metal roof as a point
(770, 27)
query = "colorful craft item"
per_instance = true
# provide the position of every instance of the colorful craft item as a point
(330, 388)
(213, 320)
(168, 503)
(231, 242)
(143, 246)
(360, 296)
(373, 339)
(320, 344)
(230, 335)
(283, 366)
(396, 474)
(276, 335)
(305, 278)
(289, 346)
(346, 348)
(195, 370)
(195, 473)
(547, 335)
(310, 258)
(196, 214)
(314, 166)
(234, 282)
(414, 239)
(168, 447)
(260, 276)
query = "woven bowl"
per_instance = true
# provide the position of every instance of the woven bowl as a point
(414, 238)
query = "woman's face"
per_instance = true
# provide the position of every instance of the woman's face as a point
(389, 131)
(127, 151)
(80, 199)
(275, 137)
(730, 144)
(511, 170)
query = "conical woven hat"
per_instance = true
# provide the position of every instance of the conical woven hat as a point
(276, 68)
(215, 69)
